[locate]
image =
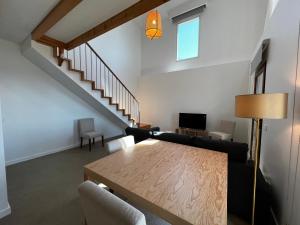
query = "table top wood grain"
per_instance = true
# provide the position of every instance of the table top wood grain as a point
(179, 183)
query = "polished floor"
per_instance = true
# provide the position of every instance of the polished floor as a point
(43, 191)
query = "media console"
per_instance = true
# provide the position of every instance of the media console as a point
(192, 132)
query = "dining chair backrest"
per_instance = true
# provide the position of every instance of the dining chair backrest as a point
(227, 126)
(101, 207)
(86, 125)
(118, 144)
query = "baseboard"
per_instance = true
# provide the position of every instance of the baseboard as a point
(5, 212)
(34, 156)
(26, 158)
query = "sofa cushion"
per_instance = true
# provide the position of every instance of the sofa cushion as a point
(175, 138)
(236, 151)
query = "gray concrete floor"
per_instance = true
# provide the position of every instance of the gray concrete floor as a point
(43, 191)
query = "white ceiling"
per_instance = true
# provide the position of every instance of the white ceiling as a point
(163, 10)
(85, 16)
(19, 17)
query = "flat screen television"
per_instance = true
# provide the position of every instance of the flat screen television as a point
(192, 120)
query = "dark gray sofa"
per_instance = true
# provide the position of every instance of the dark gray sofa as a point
(237, 152)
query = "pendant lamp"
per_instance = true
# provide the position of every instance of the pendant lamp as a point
(153, 25)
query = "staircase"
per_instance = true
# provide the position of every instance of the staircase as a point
(84, 72)
(85, 61)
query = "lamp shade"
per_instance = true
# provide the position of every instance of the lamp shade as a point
(262, 106)
(153, 25)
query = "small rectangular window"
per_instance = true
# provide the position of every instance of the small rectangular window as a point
(188, 39)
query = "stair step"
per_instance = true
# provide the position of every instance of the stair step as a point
(97, 89)
(90, 81)
(75, 70)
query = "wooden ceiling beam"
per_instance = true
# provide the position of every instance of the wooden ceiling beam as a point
(51, 42)
(126, 15)
(57, 13)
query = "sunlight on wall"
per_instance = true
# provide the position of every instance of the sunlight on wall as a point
(273, 4)
(271, 7)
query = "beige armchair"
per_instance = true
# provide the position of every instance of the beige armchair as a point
(225, 132)
(101, 207)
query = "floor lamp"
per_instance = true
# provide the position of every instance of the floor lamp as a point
(257, 107)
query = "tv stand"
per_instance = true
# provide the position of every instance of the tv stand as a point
(192, 132)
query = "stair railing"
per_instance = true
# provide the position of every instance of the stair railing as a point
(86, 60)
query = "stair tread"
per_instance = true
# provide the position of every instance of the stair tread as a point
(90, 81)
(75, 70)
(97, 89)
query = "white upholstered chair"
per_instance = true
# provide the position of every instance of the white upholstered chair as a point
(87, 131)
(101, 207)
(118, 144)
(225, 131)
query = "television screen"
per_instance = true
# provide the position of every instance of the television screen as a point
(192, 120)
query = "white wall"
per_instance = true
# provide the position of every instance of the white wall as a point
(229, 32)
(121, 50)
(294, 188)
(4, 206)
(39, 114)
(278, 156)
(208, 90)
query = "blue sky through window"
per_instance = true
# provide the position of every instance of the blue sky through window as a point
(188, 39)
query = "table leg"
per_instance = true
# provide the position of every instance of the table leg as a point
(90, 144)
(85, 177)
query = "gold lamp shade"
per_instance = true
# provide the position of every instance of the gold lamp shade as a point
(153, 25)
(262, 106)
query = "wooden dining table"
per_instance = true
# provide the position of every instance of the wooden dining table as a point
(183, 185)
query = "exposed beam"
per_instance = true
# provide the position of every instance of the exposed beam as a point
(51, 42)
(57, 13)
(126, 15)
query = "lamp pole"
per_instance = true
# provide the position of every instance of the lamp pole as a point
(256, 165)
